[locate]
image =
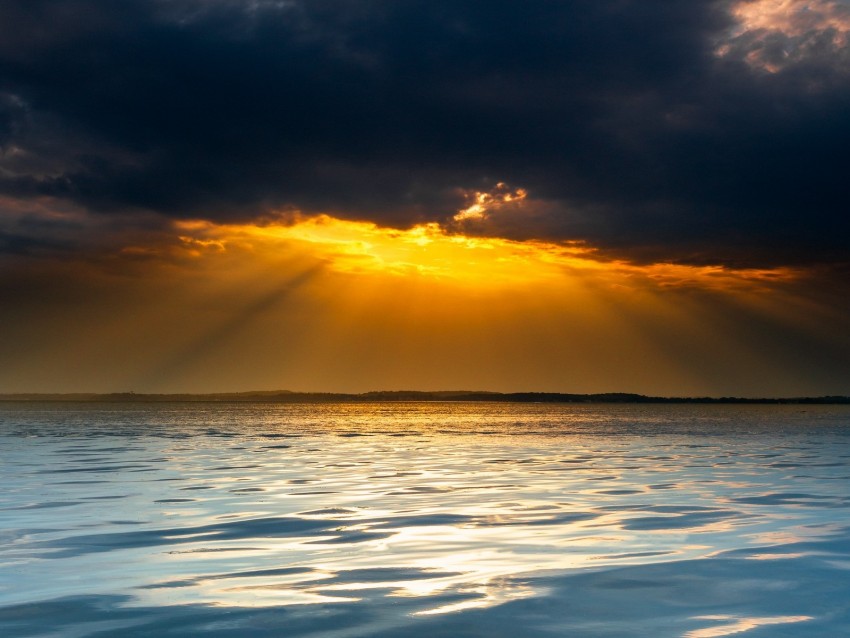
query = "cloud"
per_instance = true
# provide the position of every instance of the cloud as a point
(773, 35)
(627, 124)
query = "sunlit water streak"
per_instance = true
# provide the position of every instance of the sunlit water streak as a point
(424, 520)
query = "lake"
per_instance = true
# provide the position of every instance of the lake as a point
(424, 520)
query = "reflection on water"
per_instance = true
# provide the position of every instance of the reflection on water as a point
(424, 520)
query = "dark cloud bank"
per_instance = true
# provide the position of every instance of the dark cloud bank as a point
(620, 118)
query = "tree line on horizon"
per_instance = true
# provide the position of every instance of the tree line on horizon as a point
(286, 396)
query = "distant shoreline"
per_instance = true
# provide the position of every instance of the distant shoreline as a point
(282, 396)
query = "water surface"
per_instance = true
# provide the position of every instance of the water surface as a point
(424, 519)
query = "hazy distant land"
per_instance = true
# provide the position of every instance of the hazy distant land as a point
(285, 396)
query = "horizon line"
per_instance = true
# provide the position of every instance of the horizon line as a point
(290, 396)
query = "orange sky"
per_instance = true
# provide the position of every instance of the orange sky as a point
(317, 303)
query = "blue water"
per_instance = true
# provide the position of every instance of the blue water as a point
(424, 520)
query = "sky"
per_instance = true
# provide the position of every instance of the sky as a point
(348, 195)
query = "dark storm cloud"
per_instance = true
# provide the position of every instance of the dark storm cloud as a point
(644, 127)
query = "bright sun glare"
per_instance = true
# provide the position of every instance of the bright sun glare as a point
(430, 251)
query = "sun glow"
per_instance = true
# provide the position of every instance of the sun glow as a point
(426, 250)
(318, 302)
(434, 253)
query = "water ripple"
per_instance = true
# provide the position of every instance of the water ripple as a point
(417, 520)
